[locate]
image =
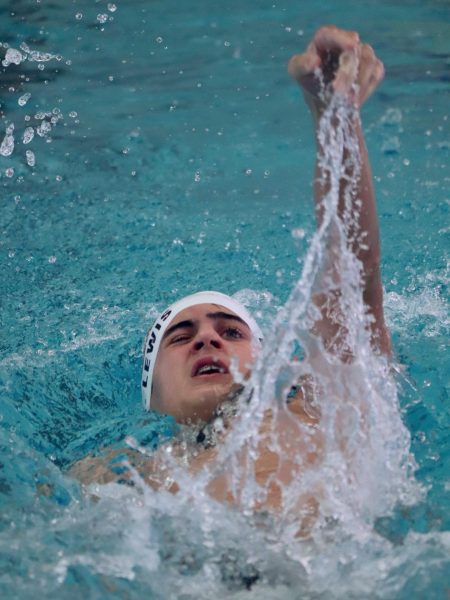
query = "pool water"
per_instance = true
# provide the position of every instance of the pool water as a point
(172, 153)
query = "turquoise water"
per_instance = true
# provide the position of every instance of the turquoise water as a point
(180, 158)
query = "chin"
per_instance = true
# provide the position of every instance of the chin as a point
(205, 402)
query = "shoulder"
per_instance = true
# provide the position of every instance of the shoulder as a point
(111, 465)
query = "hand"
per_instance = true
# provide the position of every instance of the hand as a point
(336, 62)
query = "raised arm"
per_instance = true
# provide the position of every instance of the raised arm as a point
(336, 62)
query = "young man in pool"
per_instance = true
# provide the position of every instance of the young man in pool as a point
(189, 350)
(201, 349)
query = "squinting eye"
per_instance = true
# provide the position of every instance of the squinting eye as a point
(233, 332)
(179, 338)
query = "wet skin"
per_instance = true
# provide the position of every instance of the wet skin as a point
(196, 360)
(192, 373)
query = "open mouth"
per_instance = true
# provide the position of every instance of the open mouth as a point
(209, 366)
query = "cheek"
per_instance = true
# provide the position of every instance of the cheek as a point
(165, 380)
(246, 360)
(159, 384)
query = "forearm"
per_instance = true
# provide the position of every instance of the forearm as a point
(337, 64)
(363, 233)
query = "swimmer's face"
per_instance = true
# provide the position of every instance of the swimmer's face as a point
(192, 371)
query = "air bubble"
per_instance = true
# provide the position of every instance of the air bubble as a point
(112, 7)
(102, 18)
(79, 16)
(9, 172)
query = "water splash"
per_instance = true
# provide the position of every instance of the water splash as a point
(37, 56)
(48, 119)
(347, 460)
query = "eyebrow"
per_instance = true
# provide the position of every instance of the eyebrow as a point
(215, 315)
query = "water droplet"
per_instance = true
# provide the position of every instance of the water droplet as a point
(79, 16)
(248, 171)
(31, 158)
(73, 114)
(391, 145)
(23, 99)
(7, 145)
(58, 178)
(393, 116)
(9, 172)
(159, 40)
(28, 135)
(12, 56)
(112, 7)
(298, 233)
(44, 128)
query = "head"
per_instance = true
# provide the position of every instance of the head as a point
(191, 353)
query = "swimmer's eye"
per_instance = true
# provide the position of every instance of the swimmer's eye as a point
(233, 333)
(180, 338)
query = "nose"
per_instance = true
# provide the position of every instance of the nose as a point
(207, 336)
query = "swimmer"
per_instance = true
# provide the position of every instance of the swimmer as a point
(200, 350)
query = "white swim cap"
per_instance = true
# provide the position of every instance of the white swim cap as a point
(157, 330)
